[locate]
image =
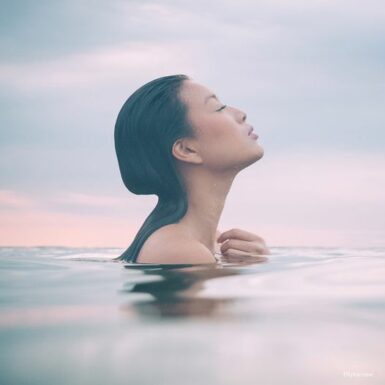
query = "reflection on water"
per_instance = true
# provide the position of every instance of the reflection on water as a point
(175, 290)
(304, 315)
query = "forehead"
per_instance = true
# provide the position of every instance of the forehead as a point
(194, 93)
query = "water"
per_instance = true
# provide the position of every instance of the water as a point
(304, 316)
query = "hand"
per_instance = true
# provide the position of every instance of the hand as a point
(241, 245)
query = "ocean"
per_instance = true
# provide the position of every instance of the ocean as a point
(303, 316)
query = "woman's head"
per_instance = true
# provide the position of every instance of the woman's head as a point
(172, 121)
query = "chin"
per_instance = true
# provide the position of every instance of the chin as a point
(257, 153)
(260, 152)
(251, 159)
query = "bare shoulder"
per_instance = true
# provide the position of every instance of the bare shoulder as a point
(170, 245)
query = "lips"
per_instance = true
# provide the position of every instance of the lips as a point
(251, 133)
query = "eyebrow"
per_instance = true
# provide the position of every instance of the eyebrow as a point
(210, 96)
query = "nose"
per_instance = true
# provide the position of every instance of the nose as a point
(240, 114)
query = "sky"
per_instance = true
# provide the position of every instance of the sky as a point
(309, 74)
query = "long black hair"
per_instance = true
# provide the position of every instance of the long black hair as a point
(148, 124)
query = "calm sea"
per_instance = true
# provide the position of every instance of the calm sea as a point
(304, 316)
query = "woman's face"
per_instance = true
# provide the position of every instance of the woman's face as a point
(222, 133)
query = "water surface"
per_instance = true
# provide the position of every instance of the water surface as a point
(304, 316)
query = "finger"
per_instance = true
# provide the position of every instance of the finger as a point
(250, 247)
(238, 234)
(239, 255)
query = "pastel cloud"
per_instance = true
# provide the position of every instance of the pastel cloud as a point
(10, 200)
(302, 199)
(309, 74)
(100, 66)
(88, 199)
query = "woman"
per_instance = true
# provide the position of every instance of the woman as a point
(175, 139)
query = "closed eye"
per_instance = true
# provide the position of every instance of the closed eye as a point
(220, 109)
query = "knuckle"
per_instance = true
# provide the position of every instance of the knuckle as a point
(231, 252)
(227, 245)
(230, 243)
(259, 248)
(225, 252)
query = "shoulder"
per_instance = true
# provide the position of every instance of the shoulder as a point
(170, 245)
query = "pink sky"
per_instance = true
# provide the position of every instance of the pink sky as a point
(313, 94)
(297, 200)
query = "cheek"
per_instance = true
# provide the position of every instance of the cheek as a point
(219, 131)
(217, 139)
(222, 148)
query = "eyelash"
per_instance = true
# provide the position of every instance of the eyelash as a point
(224, 106)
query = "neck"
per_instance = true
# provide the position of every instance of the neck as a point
(206, 194)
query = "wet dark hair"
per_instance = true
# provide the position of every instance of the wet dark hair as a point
(148, 124)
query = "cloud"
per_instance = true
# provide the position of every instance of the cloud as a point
(308, 74)
(88, 200)
(329, 177)
(88, 69)
(311, 199)
(14, 200)
(42, 227)
(308, 199)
